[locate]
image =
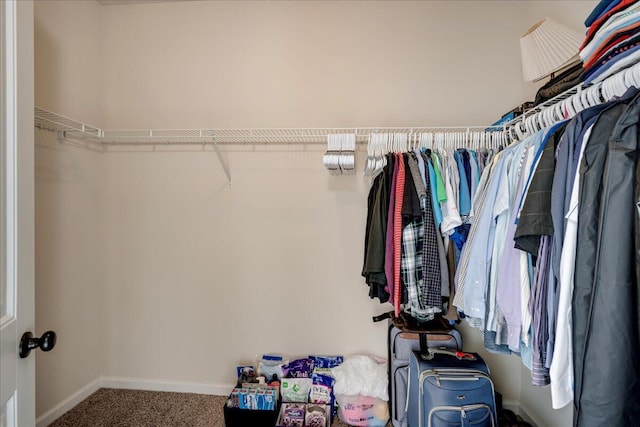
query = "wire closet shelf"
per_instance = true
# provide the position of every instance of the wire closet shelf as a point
(69, 128)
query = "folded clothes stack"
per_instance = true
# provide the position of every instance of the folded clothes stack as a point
(612, 42)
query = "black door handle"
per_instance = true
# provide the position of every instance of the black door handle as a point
(46, 342)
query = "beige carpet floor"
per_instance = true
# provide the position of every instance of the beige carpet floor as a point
(136, 408)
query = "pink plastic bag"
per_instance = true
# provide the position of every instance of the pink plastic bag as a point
(363, 411)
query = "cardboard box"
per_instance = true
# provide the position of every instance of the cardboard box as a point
(281, 417)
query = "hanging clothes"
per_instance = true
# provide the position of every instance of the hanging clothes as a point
(413, 225)
(375, 235)
(548, 267)
(605, 304)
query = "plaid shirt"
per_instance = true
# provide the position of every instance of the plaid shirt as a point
(431, 292)
(420, 257)
(412, 241)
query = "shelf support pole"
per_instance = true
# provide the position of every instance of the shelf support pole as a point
(223, 163)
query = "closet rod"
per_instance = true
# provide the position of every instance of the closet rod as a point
(574, 100)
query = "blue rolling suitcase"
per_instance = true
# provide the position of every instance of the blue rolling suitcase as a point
(449, 388)
(402, 344)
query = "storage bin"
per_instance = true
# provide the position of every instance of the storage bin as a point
(236, 417)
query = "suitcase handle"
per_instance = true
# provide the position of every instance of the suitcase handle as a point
(433, 336)
(460, 355)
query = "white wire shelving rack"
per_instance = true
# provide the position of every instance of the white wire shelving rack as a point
(68, 128)
(572, 100)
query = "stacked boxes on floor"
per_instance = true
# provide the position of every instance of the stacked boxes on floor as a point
(283, 393)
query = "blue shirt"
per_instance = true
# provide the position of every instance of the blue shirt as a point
(464, 205)
(603, 70)
(433, 187)
(600, 10)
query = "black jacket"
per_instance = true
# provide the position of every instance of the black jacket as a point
(605, 300)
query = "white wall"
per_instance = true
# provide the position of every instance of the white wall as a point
(184, 252)
(311, 64)
(68, 219)
(195, 276)
(69, 277)
(68, 58)
(202, 276)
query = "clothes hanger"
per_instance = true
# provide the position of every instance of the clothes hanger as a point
(535, 126)
(341, 157)
(622, 82)
(606, 90)
(542, 119)
(621, 86)
(369, 155)
(503, 138)
(330, 158)
(628, 78)
(635, 75)
(576, 102)
(545, 117)
(568, 108)
(553, 118)
(591, 95)
(528, 126)
(584, 99)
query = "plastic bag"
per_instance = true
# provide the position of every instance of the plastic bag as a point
(295, 389)
(325, 362)
(271, 364)
(299, 368)
(362, 375)
(363, 411)
(321, 389)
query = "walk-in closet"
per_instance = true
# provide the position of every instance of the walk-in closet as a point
(203, 174)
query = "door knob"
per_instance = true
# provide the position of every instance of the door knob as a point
(46, 342)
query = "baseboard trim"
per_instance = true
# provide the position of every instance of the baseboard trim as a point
(130, 384)
(526, 414)
(159, 385)
(68, 403)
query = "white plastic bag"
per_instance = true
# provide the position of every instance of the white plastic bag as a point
(295, 389)
(362, 375)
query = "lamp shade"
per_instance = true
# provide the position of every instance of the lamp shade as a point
(546, 47)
